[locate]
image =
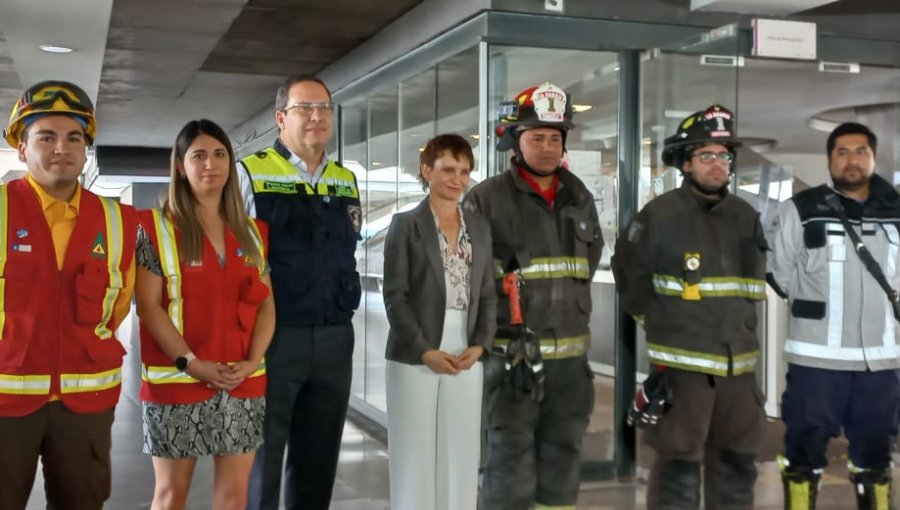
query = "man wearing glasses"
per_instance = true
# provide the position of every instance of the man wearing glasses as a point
(692, 264)
(312, 207)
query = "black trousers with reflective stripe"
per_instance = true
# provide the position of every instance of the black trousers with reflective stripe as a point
(309, 371)
(533, 451)
(716, 422)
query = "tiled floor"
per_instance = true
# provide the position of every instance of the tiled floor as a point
(362, 482)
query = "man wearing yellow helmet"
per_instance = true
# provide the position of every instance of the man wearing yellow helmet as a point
(66, 259)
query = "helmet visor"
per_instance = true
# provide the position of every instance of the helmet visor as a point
(44, 98)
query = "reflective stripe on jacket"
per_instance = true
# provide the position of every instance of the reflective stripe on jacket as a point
(695, 269)
(555, 249)
(213, 307)
(840, 318)
(314, 232)
(56, 326)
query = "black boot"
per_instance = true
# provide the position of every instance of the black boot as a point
(872, 487)
(801, 485)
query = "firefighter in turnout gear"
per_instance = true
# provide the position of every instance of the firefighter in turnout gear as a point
(692, 263)
(67, 266)
(843, 342)
(545, 230)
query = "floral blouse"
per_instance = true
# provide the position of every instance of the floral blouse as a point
(457, 265)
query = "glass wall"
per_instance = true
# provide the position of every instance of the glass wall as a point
(382, 135)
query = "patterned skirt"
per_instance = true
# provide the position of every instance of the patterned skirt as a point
(222, 425)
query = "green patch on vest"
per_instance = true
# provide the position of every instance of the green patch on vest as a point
(279, 187)
(344, 191)
(98, 249)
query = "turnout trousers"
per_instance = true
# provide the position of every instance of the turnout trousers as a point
(714, 422)
(533, 456)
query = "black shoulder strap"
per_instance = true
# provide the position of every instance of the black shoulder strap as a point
(865, 255)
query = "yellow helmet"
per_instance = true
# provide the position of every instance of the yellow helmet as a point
(50, 97)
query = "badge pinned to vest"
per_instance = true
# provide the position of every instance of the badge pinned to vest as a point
(355, 213)
(691, 280)
(98, 248)
(248, 260)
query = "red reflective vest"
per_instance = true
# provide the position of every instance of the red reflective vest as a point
(57, 325)
(213, 307)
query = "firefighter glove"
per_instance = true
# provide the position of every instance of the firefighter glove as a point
(651, 400)
(524, 367)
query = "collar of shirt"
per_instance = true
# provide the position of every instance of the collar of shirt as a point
(300, 165)
(56, 209)
(549, 195)
(437, 222)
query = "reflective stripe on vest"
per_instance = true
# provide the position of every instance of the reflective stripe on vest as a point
(700, 361)
(115, 240)
(570, 347)
(171, 269)
(4, 244)
(24, 384)
(551, 268)
(87, 383)
(171, 375)
(260, 246)
(714, 286)
(811, 350)
(272, 173)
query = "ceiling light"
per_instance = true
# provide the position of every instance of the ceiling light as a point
(52, 48)
(476, 136)
(579, 108)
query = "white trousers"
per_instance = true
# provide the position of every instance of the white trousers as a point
(434, 426)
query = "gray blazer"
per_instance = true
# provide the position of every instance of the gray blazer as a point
(415, 292)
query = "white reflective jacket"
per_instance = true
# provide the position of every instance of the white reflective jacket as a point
(840, 317)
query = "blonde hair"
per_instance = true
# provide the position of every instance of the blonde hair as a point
(180, 200)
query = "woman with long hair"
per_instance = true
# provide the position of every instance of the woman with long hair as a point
(206, 318)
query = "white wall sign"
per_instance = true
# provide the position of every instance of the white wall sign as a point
(553, 5)
(784, 39)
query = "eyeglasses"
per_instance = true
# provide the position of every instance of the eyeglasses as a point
(709, 157)
(307, 108)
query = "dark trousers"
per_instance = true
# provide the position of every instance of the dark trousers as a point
(714, 422)
(534, 450)
(818, 403)
(309, 371)
(74, 451)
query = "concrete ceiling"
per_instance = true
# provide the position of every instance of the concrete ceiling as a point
(153, 65)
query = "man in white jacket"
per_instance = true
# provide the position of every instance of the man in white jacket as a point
(842, 346)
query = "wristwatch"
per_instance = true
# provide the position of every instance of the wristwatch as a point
(182, 362)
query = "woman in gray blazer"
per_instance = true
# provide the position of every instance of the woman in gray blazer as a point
(440, 296)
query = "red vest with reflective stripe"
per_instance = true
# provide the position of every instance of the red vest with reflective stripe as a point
(217, 314)
(56, 328)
